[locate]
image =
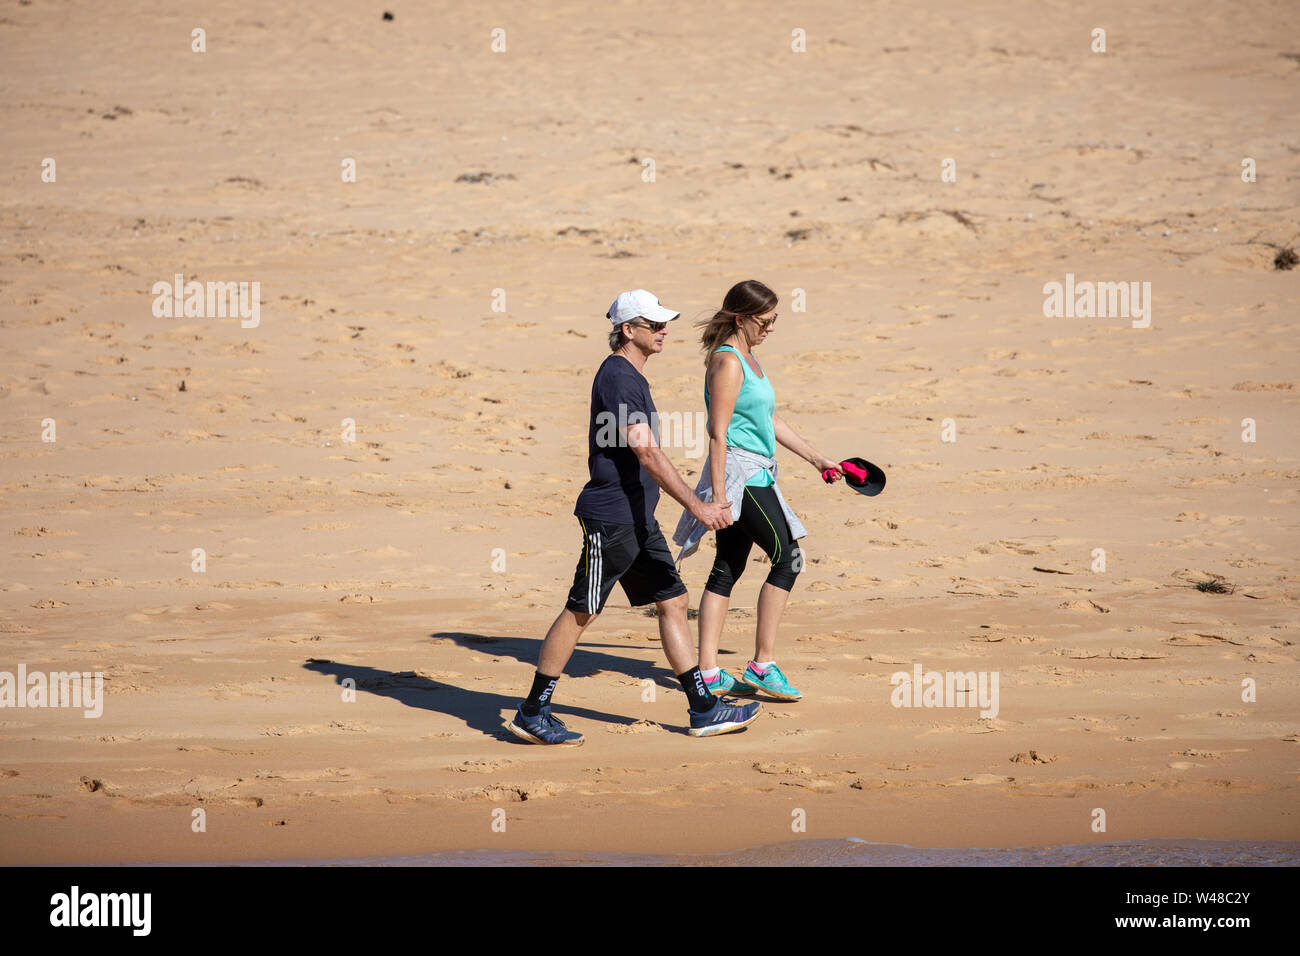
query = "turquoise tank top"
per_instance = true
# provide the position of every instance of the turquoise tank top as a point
(751, 423)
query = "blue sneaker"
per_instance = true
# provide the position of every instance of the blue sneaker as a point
(724, 685)
(771, 682)
(543, 729)
(726, 716)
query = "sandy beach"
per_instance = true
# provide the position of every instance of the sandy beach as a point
(313, 556)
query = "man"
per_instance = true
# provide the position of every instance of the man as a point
(621, 539)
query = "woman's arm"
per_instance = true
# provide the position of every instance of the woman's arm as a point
(724, 379)
(788, 437)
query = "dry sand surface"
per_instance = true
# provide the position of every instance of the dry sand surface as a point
(1120, 689)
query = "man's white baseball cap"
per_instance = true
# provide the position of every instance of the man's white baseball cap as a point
(639, 304)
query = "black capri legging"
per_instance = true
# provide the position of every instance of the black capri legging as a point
(762, 521)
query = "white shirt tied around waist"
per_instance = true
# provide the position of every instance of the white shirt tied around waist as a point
(741, 466)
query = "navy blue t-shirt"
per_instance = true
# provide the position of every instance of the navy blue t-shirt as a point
(620, 491)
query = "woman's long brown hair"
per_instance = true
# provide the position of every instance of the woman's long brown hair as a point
(750, 297)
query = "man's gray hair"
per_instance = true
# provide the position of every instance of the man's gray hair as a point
(616, 337)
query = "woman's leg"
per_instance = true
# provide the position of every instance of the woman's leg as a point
(733, 544)
(769, 528)
(713, 614)
(771, 605)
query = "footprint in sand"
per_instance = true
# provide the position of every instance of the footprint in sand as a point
(637, 727)
(505, 794)
(783, 768)
(988, 725)
(1122, 653)
(1083, 606)
(982, 779)
(1034, 757)
(481, 766)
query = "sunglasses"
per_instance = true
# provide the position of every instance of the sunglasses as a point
(765, 325)
(655, 327)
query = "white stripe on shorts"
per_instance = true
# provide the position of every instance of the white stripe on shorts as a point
(600, 573)
(593, 579)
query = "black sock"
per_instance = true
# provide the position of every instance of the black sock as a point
(540, 695)
(699, 696)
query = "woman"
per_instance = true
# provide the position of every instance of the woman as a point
(743, 432)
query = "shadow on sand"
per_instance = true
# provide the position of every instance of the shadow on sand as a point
(486, 711)
(587, 659)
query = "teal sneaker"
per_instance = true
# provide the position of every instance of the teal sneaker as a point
(773, 683)
(724, 685)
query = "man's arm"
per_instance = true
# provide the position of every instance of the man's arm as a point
(714, 516)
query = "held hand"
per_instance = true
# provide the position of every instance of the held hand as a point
(713, 515)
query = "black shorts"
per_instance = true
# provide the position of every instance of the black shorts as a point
(636, 556)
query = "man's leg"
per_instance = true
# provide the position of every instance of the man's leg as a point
(532, 722)
(709, 715)
(675, 634)
(557, 648)
(607, 550)
(653, 578)
(561, 639)
(605, 554)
